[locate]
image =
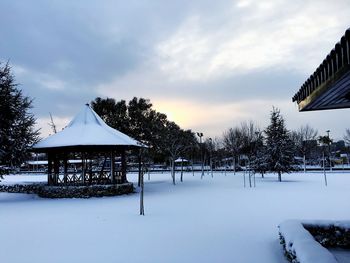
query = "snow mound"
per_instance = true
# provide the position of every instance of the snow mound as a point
(301, 245)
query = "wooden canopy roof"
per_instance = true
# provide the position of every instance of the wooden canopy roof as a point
(329, 86)
(86, 131)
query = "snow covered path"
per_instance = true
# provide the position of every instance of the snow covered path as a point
(209, 220)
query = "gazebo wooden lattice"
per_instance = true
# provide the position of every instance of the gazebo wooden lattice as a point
(97, 144)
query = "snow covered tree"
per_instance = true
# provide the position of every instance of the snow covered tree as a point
(17, 132)
(279, 146)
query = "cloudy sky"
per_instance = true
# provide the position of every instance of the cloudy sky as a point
(208, 65)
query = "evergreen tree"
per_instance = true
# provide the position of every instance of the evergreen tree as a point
(115, 114)
(139, 120)
(279, 146)
(17, 131)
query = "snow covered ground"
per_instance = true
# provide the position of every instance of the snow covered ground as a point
(210, 220)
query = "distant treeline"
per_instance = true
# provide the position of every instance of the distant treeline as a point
(274, 148)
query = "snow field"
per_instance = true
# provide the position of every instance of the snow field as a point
(209, 220)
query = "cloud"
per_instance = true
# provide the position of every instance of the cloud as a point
(43, 123)
(221, 60)
(268, 34)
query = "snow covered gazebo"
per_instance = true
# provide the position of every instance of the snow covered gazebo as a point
(100, 147)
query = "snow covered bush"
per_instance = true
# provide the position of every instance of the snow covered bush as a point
(300, 246)
(330, 234)
(46, 191)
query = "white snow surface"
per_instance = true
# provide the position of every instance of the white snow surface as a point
(87, 128)
(300, 242)
(209, 220)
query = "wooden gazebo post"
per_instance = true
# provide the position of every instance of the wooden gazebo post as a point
(123, 168)
(56, 169)
(65, 161)
(83, 167)
(49, 169)
(112, 167)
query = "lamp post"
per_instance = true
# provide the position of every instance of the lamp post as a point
(329, 150)
(257, 134)
(322, 141)
(200, 135)
(210, 156)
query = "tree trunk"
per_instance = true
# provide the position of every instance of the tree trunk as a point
(182, 170)
(139, 177)
(123, 171)
(304, 164)
(250, 179)
(279, 177)
(142, 208)
(192, 167)
(244, 178)
(234, 164)
(173, 171)
(225, 163)
(249, 174)
(202, 166)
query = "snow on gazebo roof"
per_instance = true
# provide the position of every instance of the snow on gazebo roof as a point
(87, 129)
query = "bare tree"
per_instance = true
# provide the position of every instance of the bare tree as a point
(176, 143)
(232, 139)
(216, 151)
(52, 124)
(249, 136)
(303, 139)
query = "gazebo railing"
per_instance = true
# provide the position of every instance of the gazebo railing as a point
(87, 178)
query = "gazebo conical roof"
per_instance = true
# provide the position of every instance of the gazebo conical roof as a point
(86, 130)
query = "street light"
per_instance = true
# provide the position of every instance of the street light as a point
(200, 135)
(329, 150)
(210, 152)
(257, 134)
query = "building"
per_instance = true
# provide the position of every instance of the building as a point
(329, 86)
